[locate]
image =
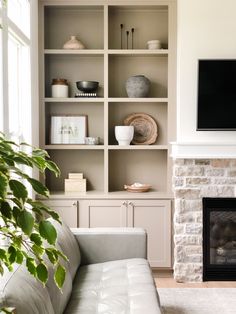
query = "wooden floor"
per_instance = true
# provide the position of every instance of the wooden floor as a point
(164, 279)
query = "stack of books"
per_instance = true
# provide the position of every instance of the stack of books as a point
(75, 183)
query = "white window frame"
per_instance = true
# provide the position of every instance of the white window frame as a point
(7, 24)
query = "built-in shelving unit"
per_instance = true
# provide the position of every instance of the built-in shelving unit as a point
(108, 166)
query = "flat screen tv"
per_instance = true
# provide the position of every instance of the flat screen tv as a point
(216, 108)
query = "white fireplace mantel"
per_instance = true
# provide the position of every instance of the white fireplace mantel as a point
(203, 150)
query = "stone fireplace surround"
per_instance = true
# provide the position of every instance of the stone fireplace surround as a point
(192, 180)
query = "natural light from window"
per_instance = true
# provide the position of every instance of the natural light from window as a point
(19, 95)
(19, 13)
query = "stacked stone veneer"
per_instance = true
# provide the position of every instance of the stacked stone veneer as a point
(192, 180)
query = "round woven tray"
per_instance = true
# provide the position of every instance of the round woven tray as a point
(145, 128)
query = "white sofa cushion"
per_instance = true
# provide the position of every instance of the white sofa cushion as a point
(117, 287)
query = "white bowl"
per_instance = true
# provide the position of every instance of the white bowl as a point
(124, 134)
(154, 44)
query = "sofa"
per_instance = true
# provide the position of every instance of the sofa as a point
(107, 273)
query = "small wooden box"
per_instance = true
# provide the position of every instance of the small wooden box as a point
(75, 185)
(75, 175)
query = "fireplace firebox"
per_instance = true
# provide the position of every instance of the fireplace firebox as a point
(219, 239)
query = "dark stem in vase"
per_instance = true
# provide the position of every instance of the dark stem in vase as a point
(127, 33)
(121, 31)
(132, 37)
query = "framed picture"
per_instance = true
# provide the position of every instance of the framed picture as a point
(71, 129)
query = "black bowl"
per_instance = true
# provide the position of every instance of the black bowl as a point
(87, 86)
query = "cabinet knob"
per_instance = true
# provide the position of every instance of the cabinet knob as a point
(130, 203)
(74, 204)
(124, 203)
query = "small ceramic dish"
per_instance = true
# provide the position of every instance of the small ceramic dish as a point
(137, 187)
(91, 140)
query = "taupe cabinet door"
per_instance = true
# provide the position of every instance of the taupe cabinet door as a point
(152, 215)
(155, 217)
(67, 209)
(102, 213)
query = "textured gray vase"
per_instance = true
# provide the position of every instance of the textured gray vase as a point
(137, 86)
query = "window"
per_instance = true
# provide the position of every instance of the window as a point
(16, 86)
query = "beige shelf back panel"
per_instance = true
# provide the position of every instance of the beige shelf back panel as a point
(127, 167)
(119, 111)
(74, 68)
(148, 22)
(91, 164)
(155, 68)
(85, 22)
(94, 112)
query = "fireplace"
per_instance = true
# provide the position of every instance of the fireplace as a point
(219, 239)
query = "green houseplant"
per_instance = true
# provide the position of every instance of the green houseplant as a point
(29, 237)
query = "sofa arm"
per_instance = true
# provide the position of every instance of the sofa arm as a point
(99, 245)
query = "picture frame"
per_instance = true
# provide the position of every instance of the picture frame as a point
(68, 129)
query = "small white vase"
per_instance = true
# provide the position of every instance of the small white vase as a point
(73, 43)
(124, 134)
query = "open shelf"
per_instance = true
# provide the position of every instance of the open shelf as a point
(73, 52)
(140, 52)
(129, 166)
(73, 147)
(93, 111)
(75, 99)
(108, 166)
(74, 68)
(82, 161)
(142, 100)
(149, 22)
(138, 147)
(85, 22)
(119, 111)
(154, 68)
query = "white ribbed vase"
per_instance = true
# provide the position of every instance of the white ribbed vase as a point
(124, 134)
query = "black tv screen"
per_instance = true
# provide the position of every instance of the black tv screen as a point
(216, 95)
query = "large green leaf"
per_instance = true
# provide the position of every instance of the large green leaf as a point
(53, 167)
(19, 257)
(59, 276)
(35, 237)
(39, 162)
(39, 206)
(3, 255)
(31, 266)
(51, 255)
(18, 189)
(5, 209)
(42, 273)
(38, 187)
(16, 212)
(38, 250)
(23, 160)
(26, 222)
(47, 231)
(3, 185)
(40, 152)
(11, 254)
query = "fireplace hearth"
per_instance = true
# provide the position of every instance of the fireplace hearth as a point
(219, 239)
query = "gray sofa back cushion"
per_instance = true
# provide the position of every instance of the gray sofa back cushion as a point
(98, 245)
(68, 245)
(21, 290)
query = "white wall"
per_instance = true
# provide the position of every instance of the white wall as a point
(206, 29)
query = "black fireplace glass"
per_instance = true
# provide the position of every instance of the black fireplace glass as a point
(223, 237)
(219, 238)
